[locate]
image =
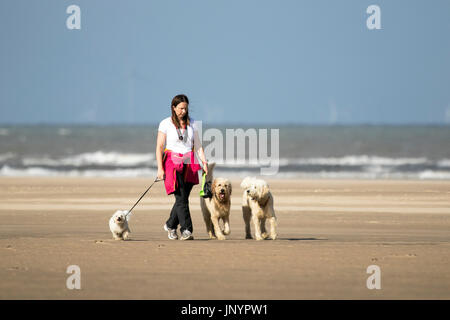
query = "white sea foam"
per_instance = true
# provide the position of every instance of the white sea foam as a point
(443, 163)
(235, 163)
(121, 164)
(4, 132)
(148, 172)
(360, 160)
(43, 172)
(350, 160)
(102, 158)
(13, 172)
(94, 158)
(6, 156)
(437, 175)
(64, 132)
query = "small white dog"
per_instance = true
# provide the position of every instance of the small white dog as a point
(118, 224)
(217, 207)
(257, 205)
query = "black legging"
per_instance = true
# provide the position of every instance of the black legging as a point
(180, 213)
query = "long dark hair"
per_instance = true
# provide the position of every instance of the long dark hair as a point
(175, 101)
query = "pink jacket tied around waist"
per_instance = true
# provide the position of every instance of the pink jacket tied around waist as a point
(174, 162)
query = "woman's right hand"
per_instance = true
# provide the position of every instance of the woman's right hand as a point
(160, 174)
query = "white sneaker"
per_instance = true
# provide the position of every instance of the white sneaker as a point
(187, 235)
(171, 233)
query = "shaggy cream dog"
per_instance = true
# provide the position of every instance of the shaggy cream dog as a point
(118, 224)
(257, 205)
(217, 207)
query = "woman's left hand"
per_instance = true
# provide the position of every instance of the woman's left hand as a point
(205, 167)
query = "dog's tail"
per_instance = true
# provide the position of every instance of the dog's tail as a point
(209, 176)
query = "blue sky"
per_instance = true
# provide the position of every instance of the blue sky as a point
(239, 61)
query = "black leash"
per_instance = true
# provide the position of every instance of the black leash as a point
(129, 211)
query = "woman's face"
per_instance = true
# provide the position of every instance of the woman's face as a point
(181, 110)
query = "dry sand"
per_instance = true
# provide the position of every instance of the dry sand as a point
(330, 231)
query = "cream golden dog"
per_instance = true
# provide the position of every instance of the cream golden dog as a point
(118, 225)
(257, 205)
(217, 207)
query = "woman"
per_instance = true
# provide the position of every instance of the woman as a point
(177, 164)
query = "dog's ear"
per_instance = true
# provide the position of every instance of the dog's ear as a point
(213, 186)
(264, 191)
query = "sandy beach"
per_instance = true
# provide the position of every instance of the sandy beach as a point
(330, 231)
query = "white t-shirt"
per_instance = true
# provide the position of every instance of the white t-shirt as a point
(173, 141)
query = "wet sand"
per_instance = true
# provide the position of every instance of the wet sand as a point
(330, 231)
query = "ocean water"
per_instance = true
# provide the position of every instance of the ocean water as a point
(367, 152)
